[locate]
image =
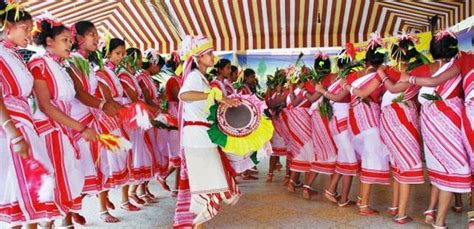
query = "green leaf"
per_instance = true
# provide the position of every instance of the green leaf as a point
(432, 97)
(400, 98)
(351, 67)
(81, 64)
(100, 59)
(164, 104)
(325, 108)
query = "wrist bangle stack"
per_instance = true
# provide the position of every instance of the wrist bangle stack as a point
(412, 80)
(17, 140)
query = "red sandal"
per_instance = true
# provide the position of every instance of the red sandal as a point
(127, 206)
(137, 200)
(368, 212)
(402, 220)
(308, 192)
(79, 219)
(106, 217)
(393, 211)
(148, 199)
(163, 183)
(430, 216)
(332, 197)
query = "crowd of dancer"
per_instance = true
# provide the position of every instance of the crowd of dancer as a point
(368, 119)
(380, 122)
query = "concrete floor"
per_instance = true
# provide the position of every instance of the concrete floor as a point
(265, 205)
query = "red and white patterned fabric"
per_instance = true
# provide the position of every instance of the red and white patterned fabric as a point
(19, 204)
(400, 133)
(465, 63)
(140, 159)
(279, 145)
(364, 117)
(172, 143)
(63, 150)
(323, 143)
(441, 126)
(111, 166)
(297, 120)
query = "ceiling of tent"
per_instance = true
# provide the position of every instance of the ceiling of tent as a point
(253, 24)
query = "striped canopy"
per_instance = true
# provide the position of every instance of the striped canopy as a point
(253, 24)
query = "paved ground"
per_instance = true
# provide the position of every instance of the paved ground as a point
(271, 206)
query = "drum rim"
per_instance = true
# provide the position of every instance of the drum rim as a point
(238, 132)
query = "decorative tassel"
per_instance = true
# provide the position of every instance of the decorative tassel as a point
(142, 118)
(166, 121)
(39, 179)
(114, 143)
(45, 192)
(136, 116)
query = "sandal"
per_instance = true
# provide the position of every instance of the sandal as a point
(269, 177)
(106, 217)
(110, 205)
(163, 183)
(430, 216)
(402, 220)
(332, 197)
(368, 212)
(253, 170)
(79, 219)
(456, 209)
(148, 200)
(249, 177)
(137, 200)
(359, 199)
(347, 203)
(393, 211)
(439, 227)
(127, 206)
(470, 217)
(308, 191)
(291, 186)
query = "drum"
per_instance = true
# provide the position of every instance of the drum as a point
(239, 121)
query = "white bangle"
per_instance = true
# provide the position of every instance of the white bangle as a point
(351, 90)
(412, 80)
(4, 124)
(101, 105)
(17, 140)
(384, 79)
